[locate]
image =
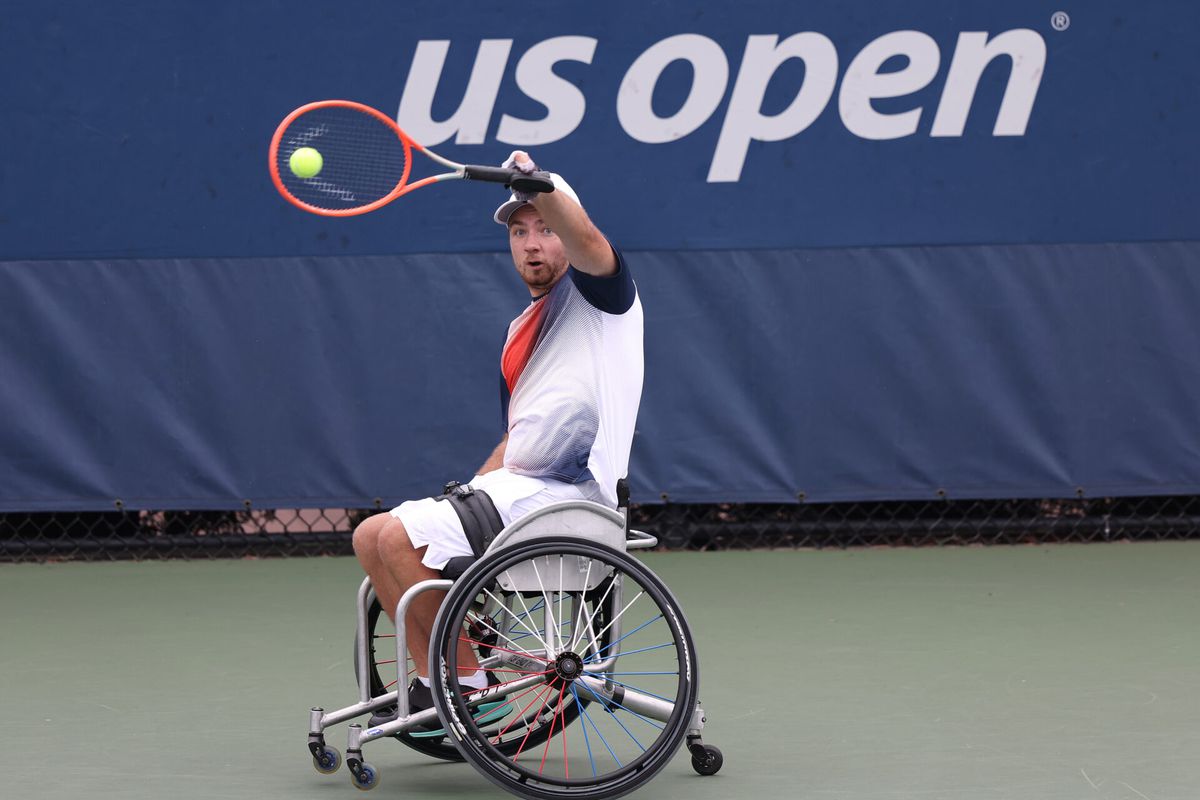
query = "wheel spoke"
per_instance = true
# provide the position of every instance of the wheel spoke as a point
(592, 617)
(588, 718)
(493, 630)
(631, 633)
(523, 625)
(586, 741)
(619, 614)
(542, 586)
(612, 702)
(517, 754)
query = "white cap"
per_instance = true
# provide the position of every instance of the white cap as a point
(507, 208)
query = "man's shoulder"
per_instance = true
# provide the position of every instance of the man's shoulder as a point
(613, 294)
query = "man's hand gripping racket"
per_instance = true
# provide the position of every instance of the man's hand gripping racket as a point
(362, 161)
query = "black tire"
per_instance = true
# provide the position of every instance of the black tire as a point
(707, 760)
(666, 694)
(536, 723)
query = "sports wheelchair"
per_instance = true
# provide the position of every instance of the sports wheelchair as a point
(549, 609)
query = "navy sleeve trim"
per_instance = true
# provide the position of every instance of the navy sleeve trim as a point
(612, 294)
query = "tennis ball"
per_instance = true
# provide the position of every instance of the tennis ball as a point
(305, 162)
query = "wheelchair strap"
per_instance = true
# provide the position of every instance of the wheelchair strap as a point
(478, 514)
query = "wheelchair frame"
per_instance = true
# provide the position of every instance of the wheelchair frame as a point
(581, 520)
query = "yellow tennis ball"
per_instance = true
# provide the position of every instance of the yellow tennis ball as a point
(305, 162)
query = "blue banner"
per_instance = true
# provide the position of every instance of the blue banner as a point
(140, 129)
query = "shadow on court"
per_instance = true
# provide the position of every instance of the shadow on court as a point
(938, 674)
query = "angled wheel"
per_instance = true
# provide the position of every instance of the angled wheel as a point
(582, 608)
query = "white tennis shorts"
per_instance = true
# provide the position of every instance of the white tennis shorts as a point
(435, 525)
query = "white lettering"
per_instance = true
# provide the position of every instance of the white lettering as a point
(863, 82)
(710, 74)
(564, 103)
(744, 120)
(470, 120)
(974, 52)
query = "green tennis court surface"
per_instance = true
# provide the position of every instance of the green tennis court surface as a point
(932, 674)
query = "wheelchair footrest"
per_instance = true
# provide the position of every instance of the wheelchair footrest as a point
(486, 712)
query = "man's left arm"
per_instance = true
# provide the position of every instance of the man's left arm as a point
(586, 247)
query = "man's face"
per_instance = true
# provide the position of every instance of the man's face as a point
(537, 252)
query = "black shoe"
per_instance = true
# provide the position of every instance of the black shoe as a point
(420, 697)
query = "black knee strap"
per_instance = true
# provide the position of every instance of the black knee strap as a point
(480, 521)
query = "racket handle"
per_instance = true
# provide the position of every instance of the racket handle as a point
(516, 180)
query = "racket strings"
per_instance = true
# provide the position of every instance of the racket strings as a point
(362, 158)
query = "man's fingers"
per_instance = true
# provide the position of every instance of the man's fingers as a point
(519, 159)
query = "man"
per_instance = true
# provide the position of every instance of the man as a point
(571, 382)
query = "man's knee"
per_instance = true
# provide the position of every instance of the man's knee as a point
(366, 535)
(393, 541)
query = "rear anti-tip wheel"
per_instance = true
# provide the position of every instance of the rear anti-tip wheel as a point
(326, 760)
(706, 759)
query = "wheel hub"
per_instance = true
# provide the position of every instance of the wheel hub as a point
(567, 668)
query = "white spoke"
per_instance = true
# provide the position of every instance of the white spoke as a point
(619, 613)
(595, 609)
(549, 610)
(483, 623)
(577, 638)
(535, 634)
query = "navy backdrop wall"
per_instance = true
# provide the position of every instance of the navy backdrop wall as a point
(884, 249)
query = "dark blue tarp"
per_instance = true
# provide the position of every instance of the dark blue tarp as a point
(996, 310)
(844, 374)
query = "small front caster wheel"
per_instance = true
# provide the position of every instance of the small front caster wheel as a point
(366, 777)
(707, 759)
(326, 760)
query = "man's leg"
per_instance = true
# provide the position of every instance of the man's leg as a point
(394, 565)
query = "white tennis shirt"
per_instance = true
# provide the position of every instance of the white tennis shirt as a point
(571, 381)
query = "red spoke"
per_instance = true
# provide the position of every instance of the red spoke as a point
(390, 685)
(563, 728)
(392, 661)
(553, 722)
(521, 715)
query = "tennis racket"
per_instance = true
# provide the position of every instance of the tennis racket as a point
(365, 161)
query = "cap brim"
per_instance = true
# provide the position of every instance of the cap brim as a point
(507, 208)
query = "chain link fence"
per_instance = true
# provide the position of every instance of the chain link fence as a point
(127, 534)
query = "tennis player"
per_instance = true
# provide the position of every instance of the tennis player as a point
(571, 382)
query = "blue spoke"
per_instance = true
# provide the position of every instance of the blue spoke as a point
(644, 649)
(631, 633)
(588, 717)
(586, 743)
(541, 632)
(630, 710)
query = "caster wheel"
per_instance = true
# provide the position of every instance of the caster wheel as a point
(327, 760)
(706, 760)
(366, 778)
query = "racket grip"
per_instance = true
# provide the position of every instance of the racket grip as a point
(534, 182)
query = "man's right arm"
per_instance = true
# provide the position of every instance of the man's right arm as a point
(496, 460)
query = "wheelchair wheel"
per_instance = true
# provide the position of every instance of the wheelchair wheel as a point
(595, 606)
(534, 721)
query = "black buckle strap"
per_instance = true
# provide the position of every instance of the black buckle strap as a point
(480, 519)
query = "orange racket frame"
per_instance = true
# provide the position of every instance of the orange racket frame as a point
(534, 182)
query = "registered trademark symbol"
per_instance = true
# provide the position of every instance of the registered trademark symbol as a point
(1060, 21)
